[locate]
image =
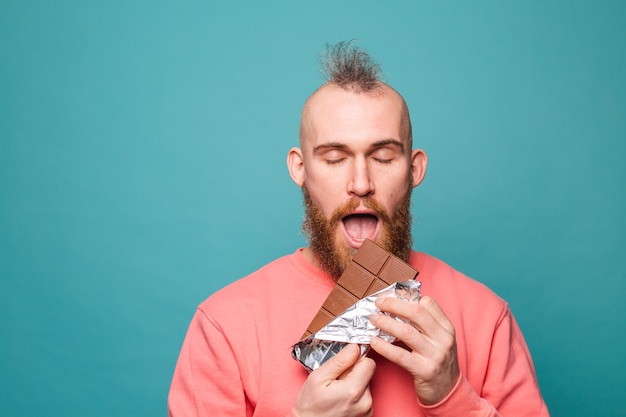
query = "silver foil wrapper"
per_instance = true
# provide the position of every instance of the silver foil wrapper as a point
(352, 326)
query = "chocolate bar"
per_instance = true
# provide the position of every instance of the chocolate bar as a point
(371, 269)
(352, 326)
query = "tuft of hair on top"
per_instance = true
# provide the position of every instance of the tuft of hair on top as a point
(350, 67)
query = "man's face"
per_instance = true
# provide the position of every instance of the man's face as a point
(357, 170)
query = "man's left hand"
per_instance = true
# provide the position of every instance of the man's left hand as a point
(432, 359)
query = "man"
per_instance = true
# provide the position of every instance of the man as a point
(461, 352)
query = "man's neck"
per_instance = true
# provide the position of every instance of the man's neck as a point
(310, 256)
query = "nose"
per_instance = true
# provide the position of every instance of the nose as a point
(361, 182)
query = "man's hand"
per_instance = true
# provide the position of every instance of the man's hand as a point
(339, 388)
(432, 359)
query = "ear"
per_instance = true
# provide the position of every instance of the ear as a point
(419, 160)
(295, 164)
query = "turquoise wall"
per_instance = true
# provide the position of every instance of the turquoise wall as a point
(142, 167)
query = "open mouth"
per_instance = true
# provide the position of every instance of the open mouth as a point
(360, 226)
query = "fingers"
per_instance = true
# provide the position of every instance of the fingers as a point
(391, 352)
(362, 372)
(431, 356)
(427, 315)
(340, 387)
(428, 329)
(435, 310)
(336, 366)
(347, 365)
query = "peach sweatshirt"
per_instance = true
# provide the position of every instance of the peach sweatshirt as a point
(236, 360)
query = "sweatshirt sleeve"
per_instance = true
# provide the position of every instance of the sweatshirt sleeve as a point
(206, 380)
(510, 386)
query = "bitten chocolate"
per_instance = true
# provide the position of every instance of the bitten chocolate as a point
(371, 269)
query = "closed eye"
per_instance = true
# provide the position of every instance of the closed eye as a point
(332, 154)
(384, 155)
(383, 160)
(334, 161)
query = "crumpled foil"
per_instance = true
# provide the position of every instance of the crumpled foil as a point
(352, 326)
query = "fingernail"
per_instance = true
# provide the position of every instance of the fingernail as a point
(374, 317)
(351, 349)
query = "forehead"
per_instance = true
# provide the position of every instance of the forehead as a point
(335, 114)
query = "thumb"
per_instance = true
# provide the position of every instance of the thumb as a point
(341, 362)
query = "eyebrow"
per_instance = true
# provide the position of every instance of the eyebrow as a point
(330, 145)
(375, 145)
(385, 142)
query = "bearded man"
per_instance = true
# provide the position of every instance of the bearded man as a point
(459, 351)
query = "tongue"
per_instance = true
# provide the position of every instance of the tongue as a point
(360, 226)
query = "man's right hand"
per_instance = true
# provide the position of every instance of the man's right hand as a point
(338, 388)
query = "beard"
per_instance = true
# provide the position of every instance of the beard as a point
(320, 231)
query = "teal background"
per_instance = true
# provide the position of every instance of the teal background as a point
(142, 167)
